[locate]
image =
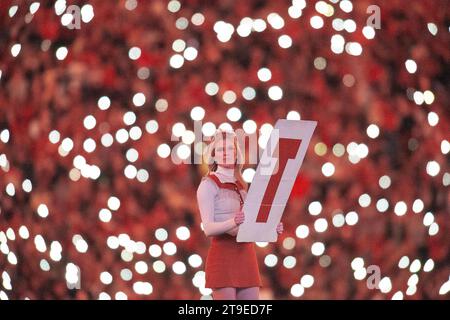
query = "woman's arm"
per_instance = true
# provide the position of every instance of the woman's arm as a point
(233, 231)
(205, 198)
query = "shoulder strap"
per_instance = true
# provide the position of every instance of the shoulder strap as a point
(228, 185)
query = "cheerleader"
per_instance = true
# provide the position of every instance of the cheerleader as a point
(231, 267)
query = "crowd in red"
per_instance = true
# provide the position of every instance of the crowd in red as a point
(39, 93)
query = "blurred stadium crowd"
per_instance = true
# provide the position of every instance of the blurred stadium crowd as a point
(88, 118)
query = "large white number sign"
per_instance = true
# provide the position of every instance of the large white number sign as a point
(274, 178)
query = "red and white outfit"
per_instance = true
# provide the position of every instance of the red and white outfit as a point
(229, 263)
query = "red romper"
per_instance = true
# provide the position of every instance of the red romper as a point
(229, 263)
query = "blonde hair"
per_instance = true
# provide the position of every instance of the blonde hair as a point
(210, 153)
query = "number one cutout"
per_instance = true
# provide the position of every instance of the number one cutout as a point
(286, 149)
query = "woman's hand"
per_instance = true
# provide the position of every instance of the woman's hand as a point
(233, 232)
(280, 228)
(239, 217)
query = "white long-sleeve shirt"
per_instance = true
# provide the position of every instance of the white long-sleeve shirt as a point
(218, 206)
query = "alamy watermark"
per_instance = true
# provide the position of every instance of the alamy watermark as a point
(374, 20)
(252, 145)
(73, 15)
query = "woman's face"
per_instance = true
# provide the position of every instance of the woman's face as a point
(225, 152)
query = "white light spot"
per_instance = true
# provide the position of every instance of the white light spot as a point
(338, 220)
(121, 296)
(10, 190)
(270, 260)
(249, 126)
(289, 262)
(248, 174)
(346, 6)
(403, 263)
(432, 28)
(302, 231)
(139, 99)
(104, 215)
(275, 93)
(351, 218)
(418, 206)
(229, 97)
(179, 267)
(151, 126)
(434, 229)
(320, 63)
(142, 175)
(234, 114)
(23, 232)
(415, 266)
(249, 93)
(159, 266)
(321, 225)
(130, 171)
(61, 53)
(411, 66)
(418, 97)
(428, 219)
(385, 285)
(373, 131)
(142, 288)
(349, 25)
(106, 277)
(163, 150)
(264, 74)
(433, 168)
(307, 281)
(89, 122)
(132, 155)
(284, 41)
(107, 140)
(364, 200)
(328, 169)
(183, 233)
(317, 248)
(155, 250)
(316, 22)
(398, 296)
(382, 205)
(297, 290)
(195, 260)
(384, 182)
(169, 248)
(12, 11)
(161, 234)
(357, 263)
(197, 113)
(428, 266)
(433, 118)
(315, 208)
(400, 208)
(190, 53)
(134, 53)
(89, 145)
(42, 210)
(208, 129)
(141, 267)
(368, 32)
(15, 49)
(87, 13)
(353, 48)
(113, 203)
(104, 103)
(211, 88)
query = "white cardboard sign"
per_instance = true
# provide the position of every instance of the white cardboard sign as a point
(274, 178)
